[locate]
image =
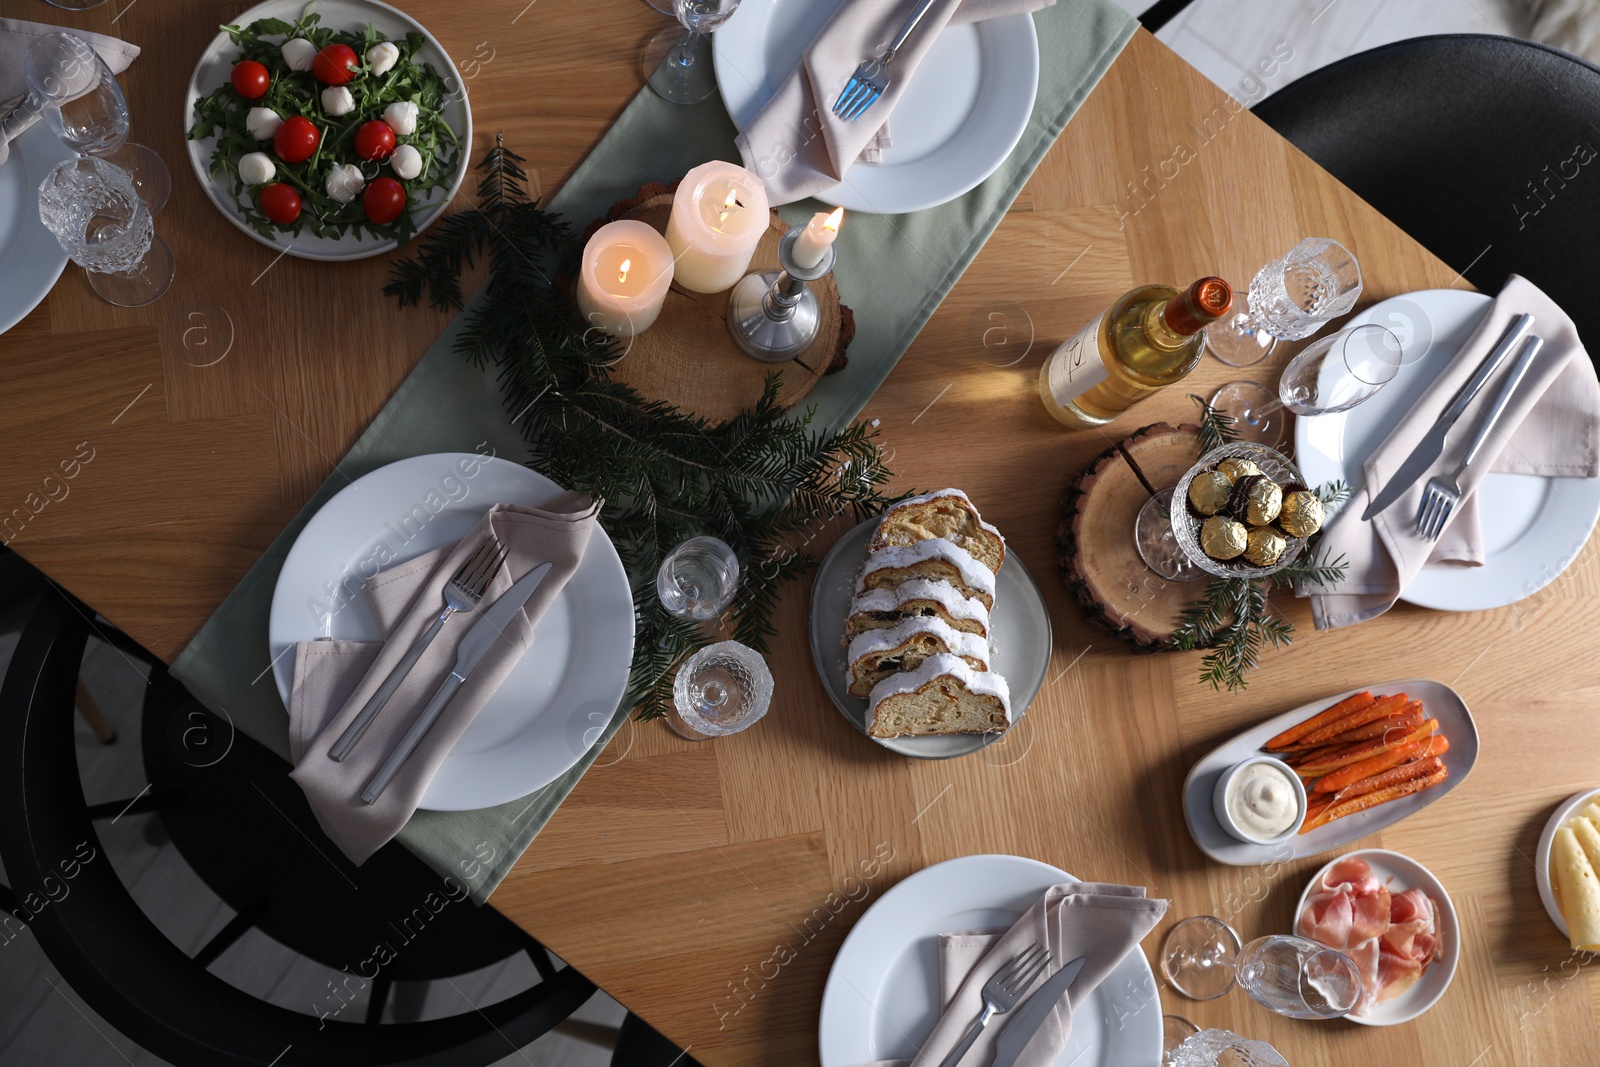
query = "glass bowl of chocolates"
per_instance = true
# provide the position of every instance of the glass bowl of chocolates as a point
(1244, 511)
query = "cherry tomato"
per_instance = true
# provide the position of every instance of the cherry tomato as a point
(251, 80)
(335, 64)
(374, 140)
(296, 139)
(280, 203)
(384, 199)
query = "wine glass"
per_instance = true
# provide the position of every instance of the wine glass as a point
(1256, 411)
(698, 579)
(96, 214)
(75, 5)
(677, 64)
(1158, 544)
(1290, 298)
(1197, 957)
(720, 690)
(1341, 370)
(83, 104)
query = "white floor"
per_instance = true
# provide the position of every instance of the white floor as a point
(1249, 47)
(43, 1023)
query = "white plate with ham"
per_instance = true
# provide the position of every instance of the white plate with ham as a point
(1390, 914)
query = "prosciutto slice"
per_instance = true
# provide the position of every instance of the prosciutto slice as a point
(1391, 937)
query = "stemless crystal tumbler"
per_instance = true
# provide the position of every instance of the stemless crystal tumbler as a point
(1341, 370)
(677, 63)
(1298, 977)
(720, 690)
(1224, 1048)
(1290, 298)
(82, 103)
(698, 579)
(99, 219)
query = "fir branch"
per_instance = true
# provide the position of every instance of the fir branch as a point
(1216, 427)
(663, 474)
(1332, 494)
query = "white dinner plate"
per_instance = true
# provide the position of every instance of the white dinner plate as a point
(1541, 858)
(1402, 872)
(1019, 640)
(1439, 701)
(561, 695)
(959, 118)
(216, 65)
(882, 996)
(31, 259)
(1533, 527)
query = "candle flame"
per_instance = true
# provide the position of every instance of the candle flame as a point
(833, 220)
(733, 198)
(622, 273)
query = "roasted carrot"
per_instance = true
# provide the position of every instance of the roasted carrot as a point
(1364, 750)
(1408, 718)
(1379, 796)
(1316, 808)
(1379, 708)
(1321, 719)
(1405, 772)
(1355, 772)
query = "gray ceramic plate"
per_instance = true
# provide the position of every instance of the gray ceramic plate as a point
(1019, 637)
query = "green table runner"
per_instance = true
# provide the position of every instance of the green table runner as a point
(892, 270)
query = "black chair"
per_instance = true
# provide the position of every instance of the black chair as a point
(116, 959)
(1484, 149)
(1157, 15)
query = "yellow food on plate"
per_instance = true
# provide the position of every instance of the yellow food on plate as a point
(1579, 889)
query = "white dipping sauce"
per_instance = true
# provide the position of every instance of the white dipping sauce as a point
(1261, 800)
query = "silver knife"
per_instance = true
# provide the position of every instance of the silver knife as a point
(1026, 1020)
(490, 625)
(1432, 446)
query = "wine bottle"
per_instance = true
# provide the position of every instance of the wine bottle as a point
(1148, 339)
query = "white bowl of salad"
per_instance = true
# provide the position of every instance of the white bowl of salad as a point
(338, 135)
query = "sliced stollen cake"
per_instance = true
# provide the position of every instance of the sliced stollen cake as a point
(876, 654)
(947, 514)
(879, 609)
(943, 696)
(935, 560)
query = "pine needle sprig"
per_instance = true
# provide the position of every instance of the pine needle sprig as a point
(1216, 427)
(758, 481)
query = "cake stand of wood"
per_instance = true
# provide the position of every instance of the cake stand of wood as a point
(689, 360)
(1095, 546)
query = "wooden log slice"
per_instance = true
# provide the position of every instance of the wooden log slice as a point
(688, 358)
(1095, 548)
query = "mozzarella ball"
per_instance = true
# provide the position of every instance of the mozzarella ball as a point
(262, 122)
(344, 182)
(406, 162)
(336, 100)
(401, 117)
(382, 56)
(257, 168)
(298, 53)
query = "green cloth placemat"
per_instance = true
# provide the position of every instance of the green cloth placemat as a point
(893, 270)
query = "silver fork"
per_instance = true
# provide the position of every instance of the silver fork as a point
(461, 594)
(1442, 494)
(871, 78)
(1001, 993)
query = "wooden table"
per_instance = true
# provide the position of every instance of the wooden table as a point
(676, 870)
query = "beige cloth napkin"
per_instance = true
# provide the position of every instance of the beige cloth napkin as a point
(1552, 428)
(781, 144)
(15, 37)
(1101, 921)
(333, 679)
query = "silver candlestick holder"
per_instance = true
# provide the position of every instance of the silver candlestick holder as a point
(773, 315)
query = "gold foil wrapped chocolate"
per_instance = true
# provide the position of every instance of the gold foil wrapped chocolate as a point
(1209, 492)
(1222, 538)
(1302, 514)
(1259, 501)
(1237, 468)
(1264, 546)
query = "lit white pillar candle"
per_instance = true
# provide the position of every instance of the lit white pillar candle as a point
(719, 215)
(623, 281)
(814, 240)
